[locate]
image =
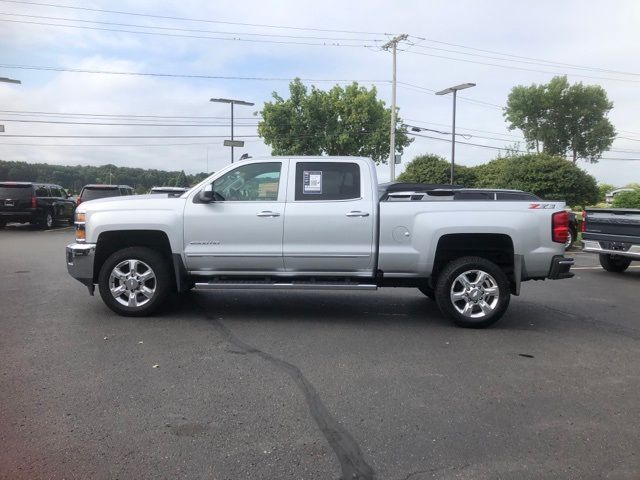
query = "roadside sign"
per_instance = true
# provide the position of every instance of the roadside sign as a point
(233, 143)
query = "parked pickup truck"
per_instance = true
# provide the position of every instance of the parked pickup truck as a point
(316, 223)
(614, 234)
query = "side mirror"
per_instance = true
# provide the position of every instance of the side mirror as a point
(206, 194)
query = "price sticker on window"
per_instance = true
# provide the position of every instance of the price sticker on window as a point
(312, 182)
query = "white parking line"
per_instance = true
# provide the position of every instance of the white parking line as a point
(58, 229)
(599, 268)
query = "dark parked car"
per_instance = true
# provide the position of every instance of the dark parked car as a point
(92, 192)
(37, 203)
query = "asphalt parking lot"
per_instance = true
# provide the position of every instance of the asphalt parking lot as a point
(304, 385)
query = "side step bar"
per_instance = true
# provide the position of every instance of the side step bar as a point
(290, 285)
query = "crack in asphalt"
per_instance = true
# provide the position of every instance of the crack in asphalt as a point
(350, 457)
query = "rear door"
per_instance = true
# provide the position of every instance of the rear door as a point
(329, 219)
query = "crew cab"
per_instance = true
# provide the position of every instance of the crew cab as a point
(316, 223)
(613, 234)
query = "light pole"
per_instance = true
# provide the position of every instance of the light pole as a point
(453, 127)
(232, 143)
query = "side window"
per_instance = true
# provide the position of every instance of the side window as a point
(256, 182)
(55, 191)
(42, 191)
(327, 181)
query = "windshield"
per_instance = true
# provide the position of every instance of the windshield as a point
(17, 192)
(93, 193)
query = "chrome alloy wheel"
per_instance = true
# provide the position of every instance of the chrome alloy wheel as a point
(475, 294)
(132, 283)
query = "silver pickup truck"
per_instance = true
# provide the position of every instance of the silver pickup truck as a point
(317, 223)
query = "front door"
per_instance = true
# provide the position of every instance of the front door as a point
(329, 221)
(240, 232)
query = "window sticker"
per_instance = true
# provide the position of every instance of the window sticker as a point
(312, 182)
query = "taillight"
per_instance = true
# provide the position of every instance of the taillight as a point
(34, 202)
(560, 227)
(583, 227)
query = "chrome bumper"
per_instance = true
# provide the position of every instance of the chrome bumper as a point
(594, 246)
(80, 258)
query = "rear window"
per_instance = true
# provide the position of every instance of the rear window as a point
(327, 181)
(91, 193)
(513, 196)
(15, 192)
(480, 196)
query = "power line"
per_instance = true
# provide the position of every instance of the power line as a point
(179, 35)
(187, 19)
(509, 148)
(181, 75)
(123, 136)
(529, 62)
(352, 32)
(130, 124)
(551, 62)
(192, 30)
(511, 67)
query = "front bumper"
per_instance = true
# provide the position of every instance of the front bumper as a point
(560, 266)
(80, 258)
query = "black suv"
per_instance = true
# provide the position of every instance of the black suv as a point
(37, 203)
(92, 192)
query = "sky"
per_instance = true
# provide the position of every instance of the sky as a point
(93, 64)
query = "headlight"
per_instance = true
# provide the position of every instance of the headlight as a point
(81, 233)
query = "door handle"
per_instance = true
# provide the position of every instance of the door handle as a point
(357, 213)
(266, 213)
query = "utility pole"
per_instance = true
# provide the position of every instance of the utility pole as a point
(393, 44)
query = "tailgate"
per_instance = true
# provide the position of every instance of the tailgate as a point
(614, 221)
(15, 197)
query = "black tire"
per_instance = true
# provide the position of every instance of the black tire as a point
(428, 291)
(614, 263)
(2, 224)
(162, 282)
(71, 220)
(476, 297)
(572, 234)
(47, 221)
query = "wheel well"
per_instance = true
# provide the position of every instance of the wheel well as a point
(497, 248)
(110, 242)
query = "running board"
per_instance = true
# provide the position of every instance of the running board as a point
(290, 285)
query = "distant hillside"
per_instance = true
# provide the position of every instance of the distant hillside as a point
(75, 177)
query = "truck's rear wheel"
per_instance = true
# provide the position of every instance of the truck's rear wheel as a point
(134, 281)
(614, 263)
(473, 292)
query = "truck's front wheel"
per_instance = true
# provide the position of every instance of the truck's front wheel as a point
(473, 292)
(614, 263)
(134, 281)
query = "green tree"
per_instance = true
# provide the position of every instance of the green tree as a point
(342, 121)
(603, 189)
(627, 200)
(564, 118)
(181, 180)
(549, 177)
(435, 169)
